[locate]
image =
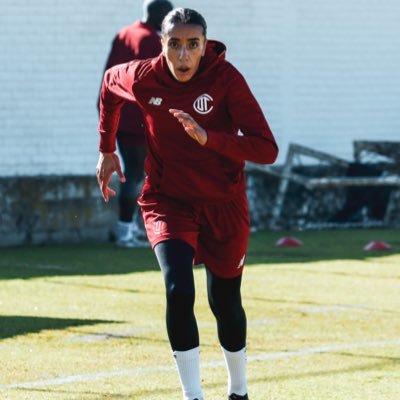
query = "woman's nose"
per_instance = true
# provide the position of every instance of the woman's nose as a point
(183, 53)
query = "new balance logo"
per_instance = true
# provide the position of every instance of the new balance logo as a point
(155, 101)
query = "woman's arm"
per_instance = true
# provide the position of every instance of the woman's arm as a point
(257, 143)
(115, 90)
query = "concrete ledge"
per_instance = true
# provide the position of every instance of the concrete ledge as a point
(68, 209)
(53, 209)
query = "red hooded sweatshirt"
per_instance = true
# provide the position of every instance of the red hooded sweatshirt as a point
(136, 41)
(218, 98)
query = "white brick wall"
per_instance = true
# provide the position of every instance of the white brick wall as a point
(325, 73)
(346, 73)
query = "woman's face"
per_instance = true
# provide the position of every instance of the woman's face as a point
(183, 46)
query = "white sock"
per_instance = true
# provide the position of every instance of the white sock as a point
(236, 365)
(124, 230)
(134, 227)
(188, 363)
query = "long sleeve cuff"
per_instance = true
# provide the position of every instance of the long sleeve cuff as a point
(215, 141)
(107, 143)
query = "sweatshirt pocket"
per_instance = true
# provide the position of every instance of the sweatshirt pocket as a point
(205, 180)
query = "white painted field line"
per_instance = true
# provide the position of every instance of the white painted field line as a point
(323, 349)
(44, 266)
(62, 380)
(308, 351)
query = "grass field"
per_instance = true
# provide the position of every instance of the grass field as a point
(87, 322)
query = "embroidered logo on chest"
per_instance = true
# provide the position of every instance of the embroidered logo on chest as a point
(203, 104)
(156, 101)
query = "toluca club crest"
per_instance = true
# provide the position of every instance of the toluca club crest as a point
(202, 104)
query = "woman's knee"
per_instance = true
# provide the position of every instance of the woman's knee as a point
(227, 311)
(180, 297)
(224, 297)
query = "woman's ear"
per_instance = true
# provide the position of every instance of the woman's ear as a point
(163, 45)
(204, 48)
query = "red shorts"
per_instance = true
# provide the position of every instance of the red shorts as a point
(219, 233)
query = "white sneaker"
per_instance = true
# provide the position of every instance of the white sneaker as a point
(124, 234)
(129, 235)
(127, 244)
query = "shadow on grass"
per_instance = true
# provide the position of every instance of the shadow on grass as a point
(78, 259)
(105, 259)
(14, 325)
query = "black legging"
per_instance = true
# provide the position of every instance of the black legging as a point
(133, 163)
(175, 258)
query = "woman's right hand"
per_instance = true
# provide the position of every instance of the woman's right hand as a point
(107, 164)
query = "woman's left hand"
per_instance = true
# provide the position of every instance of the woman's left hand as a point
(193, 129)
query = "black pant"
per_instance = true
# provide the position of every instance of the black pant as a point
(133, 159)
(175, 258)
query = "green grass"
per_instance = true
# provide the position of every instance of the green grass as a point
(87, 322)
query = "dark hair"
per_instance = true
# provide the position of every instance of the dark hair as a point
(154, 11)
(185, 16)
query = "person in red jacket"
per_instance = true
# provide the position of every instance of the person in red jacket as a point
(194, 196)
(136, 41)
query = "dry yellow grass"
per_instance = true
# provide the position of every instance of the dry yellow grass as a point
(87, 322)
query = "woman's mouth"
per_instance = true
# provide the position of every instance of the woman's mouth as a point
(183, 70)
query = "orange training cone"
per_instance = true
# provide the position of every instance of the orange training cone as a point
(289, 241)
(377, 245)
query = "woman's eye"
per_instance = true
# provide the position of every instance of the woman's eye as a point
(173, 45)
(193, 45)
